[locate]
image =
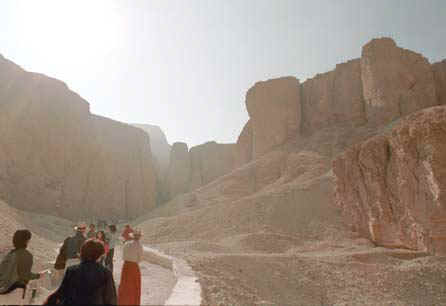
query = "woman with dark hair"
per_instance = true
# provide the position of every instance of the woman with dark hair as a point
(100, 236)
(87, 283)
(15, 270)
(130, 285)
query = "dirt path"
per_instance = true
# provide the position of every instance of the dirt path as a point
(157, 282)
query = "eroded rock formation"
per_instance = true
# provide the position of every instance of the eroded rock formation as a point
(396, 82)
(391, 187)
(57, 158)
(274, 111)
(439, 70)
(178, 174)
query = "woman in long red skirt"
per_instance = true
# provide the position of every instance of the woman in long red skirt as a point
(129, 292)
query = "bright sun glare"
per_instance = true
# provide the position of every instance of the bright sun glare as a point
(62, 30)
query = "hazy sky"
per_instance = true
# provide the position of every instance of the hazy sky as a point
(186, 65)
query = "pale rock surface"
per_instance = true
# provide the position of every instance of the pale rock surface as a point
(209, 161)
(179, 172)
(333, 97)
(439, 70)
(159, 146)
(244, 146)
(396, 82)
(160, 156)
(57, 158)
(274, 111)
(391, 187)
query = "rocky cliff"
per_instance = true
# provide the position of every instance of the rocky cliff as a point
(159, 146)
(57, 158)
(439, 70)
(391, 187)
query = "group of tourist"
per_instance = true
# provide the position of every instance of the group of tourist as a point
(85, 265)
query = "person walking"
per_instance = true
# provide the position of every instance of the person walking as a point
(129, 292)
(112, 241)
(15, 271)
(74, 244)
(87, 283)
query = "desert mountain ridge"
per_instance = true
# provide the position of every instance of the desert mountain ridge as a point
(339, 199)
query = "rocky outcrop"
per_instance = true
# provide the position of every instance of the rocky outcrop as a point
(333, 98)
(209, 161)
(57, 158)
(391, 187)
(274, 111)
(159, 146)
(396, 82)
(244, 146)
(161, 157)
(178, 174)
(439, 70)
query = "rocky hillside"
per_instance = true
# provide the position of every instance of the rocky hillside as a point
(57, 158)
(320, 230)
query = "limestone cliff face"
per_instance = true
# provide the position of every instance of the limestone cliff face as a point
(178, 174)
(439, 70)
(274, 111)
(396, 82)
(57, 158)
(192, 169)
(391, 187)
(209, 161)
(159, 146)
(333, 98)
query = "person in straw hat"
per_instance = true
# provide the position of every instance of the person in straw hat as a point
(129, 292)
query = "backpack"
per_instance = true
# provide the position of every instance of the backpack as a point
(8, 272)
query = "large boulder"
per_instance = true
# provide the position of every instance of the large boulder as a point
(391, 187)
(439, 70)
(396, 82)
(274, 111)
(57, 158)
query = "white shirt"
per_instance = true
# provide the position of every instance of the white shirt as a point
(132, 251)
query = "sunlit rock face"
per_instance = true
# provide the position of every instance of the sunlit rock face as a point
(244, 145)
(391, 187)
(439, 70)
(209, 161)
(57, 158)
(274, 111)
(396, 82)
(160, 156)
(178, 174)
(332, 98)
(159, 146)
